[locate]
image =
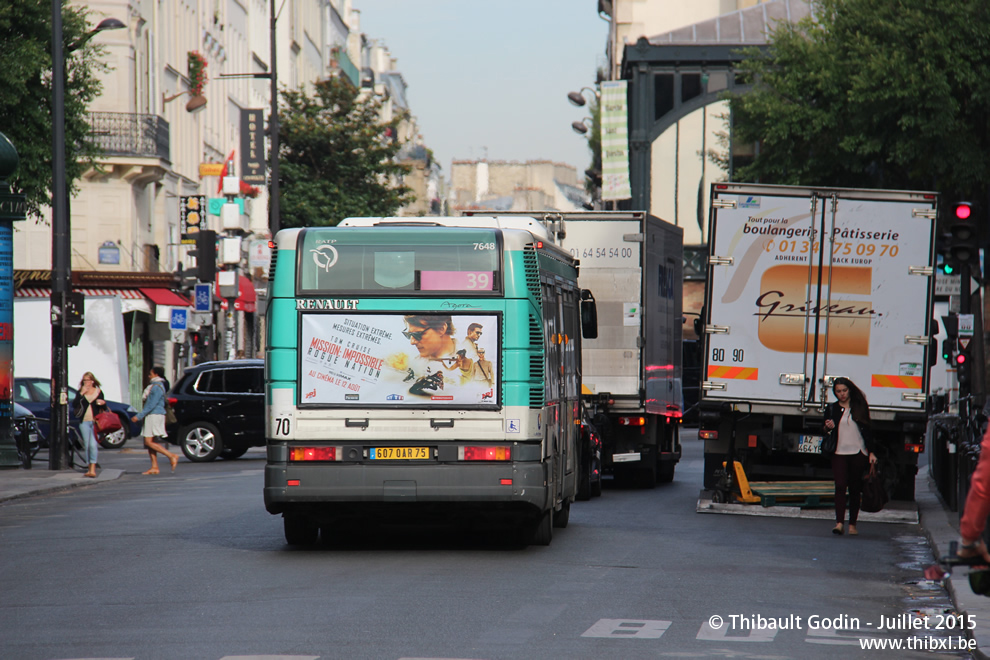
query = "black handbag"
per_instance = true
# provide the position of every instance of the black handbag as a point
(831, 438)
(874, 494)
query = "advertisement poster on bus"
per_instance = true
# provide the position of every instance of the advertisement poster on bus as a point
(399, 359)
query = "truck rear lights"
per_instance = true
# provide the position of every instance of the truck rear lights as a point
(292, 482)
(752, 441)
(914, 448)
(315, 453)
(484, 453)
(707, 435)
(505, 482)
(632, 421)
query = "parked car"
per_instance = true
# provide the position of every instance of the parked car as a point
(220, 409)
(35, 395)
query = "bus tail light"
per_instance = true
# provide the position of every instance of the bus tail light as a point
(484, 453)
(707, 434)
(632, 421)
(914, 448)
(315, 453)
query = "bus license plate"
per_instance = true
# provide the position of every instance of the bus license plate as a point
(385, 453)
(810, 444)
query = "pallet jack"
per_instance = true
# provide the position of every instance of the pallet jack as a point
(732, 485)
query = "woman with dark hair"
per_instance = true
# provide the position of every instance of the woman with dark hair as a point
(849, 419)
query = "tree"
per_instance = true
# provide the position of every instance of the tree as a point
(26, 94)
(872, 94)
(337, 157)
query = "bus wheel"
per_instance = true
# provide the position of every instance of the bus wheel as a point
(543, 531)
(562, 517)
(300, 530)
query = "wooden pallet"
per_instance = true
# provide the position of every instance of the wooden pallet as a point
(805, 494)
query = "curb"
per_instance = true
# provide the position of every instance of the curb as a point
(46, 482)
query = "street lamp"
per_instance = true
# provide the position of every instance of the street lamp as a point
(576, 98)
(581, 127)
(274, 190)
(61, 265)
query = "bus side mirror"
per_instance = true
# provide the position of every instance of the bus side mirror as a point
(589, 315)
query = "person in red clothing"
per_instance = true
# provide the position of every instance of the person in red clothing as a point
(974, 519)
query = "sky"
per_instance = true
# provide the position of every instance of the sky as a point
(489, 79)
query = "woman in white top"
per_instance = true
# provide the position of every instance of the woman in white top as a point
(849, 417)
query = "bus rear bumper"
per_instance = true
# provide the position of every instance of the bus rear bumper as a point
(511, 486)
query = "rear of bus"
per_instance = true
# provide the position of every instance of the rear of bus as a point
(405, 376)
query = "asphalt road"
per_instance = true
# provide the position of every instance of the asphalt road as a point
(191, 566)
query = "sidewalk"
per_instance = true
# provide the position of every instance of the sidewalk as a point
(942, 527)
(16, 482)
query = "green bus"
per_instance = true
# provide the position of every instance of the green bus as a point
(423, 366)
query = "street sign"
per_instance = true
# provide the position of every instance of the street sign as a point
(201, 319)
(965, 325)
(946, 285)
(204, 298)
(964, 343)
(179, 336)
(178, 319)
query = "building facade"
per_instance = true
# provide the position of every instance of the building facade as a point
(166, 132)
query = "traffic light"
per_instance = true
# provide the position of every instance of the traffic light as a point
(947, 346)
(206, 255)
(963, 362)
(962, 245)
(75, 317)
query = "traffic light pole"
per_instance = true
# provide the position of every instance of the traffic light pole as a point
(61, 274)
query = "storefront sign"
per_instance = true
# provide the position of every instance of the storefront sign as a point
(253, 166)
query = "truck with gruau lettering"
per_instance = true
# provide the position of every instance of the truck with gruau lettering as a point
(805, 285)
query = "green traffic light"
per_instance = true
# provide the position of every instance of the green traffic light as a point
(948, 269)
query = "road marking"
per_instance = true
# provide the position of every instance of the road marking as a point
(707, 633)
(625, 628)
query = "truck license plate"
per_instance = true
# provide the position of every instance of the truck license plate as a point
(810, 444)
(626, 458)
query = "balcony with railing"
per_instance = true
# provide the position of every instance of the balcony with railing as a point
(130, 134)
(341, 64)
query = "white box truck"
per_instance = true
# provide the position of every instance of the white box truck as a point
(806, 285)
(632, 263)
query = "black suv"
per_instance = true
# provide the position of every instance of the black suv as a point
(220, 408)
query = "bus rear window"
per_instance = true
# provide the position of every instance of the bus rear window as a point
(407, 259)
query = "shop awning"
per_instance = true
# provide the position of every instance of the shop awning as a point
(247, 299)
(131, 300)
(166, 297)
(45, 292)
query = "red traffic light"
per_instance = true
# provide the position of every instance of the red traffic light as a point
(961, 358)
(963, 210)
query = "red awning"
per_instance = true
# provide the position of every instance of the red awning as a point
(45, 292)
(246, 300)
(166, 297)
